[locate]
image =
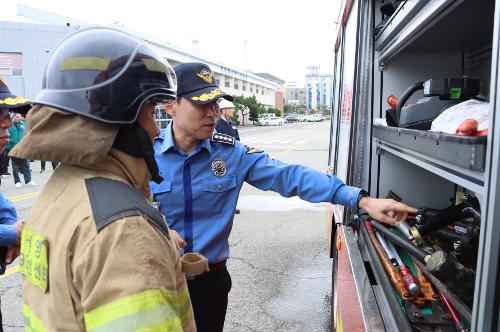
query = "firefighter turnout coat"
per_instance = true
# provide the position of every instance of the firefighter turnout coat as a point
(95, 256)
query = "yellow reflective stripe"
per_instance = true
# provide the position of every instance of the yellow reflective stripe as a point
(31, 322)
(85, 63)
(340, 328)
(153, 65)
(165, 326)
(140, 312)
(185, 308)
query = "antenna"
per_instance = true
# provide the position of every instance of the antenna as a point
(245, 55)
(196, 48)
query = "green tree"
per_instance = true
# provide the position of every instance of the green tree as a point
(274, 111)
(249, 105)
(290, 109)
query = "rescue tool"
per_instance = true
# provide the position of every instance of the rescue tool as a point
(423, 309)
(410, 282)
(459, 278)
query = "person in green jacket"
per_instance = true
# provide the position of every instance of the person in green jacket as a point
(16, 134)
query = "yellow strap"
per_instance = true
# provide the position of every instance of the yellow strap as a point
(85, 63)
(33, 259)
(31, 322)
(152, 310)
(153, 65)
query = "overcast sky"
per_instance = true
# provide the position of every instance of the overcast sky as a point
(282, 37)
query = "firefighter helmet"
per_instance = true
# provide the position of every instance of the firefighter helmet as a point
(106, 74)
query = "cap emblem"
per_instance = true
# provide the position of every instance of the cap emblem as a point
(206, 75)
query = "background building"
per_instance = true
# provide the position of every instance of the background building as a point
(319, 89)
(25, 48)
(295, 95)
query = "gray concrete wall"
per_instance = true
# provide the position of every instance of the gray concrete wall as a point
(35, 42)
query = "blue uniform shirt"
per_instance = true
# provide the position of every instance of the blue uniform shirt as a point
(200, 205)
(8, 217)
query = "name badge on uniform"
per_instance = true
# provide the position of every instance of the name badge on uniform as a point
(219, 167)
(33, 260)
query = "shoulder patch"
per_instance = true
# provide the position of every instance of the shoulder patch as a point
(251, 150)
(222, 138)
(112, 200)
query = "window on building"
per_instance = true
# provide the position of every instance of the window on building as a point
(251, 89)
(257, 91)
(217, 81)
(11, 64)
(227, 84)
(244, 87)
(236, 86)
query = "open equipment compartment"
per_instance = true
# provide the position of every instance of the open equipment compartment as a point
(424, 39)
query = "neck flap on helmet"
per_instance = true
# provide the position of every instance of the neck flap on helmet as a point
(134, 140)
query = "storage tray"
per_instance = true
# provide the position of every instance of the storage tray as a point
(465, 151)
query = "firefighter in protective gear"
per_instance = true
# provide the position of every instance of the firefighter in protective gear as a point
(96, 255)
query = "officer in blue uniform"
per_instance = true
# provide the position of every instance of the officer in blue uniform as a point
(225, 124)
(203, 174)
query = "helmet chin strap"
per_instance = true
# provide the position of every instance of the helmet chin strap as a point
(134, 140)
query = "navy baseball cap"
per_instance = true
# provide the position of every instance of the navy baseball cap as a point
(196, 83)
(12, 102)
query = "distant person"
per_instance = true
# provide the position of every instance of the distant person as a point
(42, 165)
(16, 134)
(10, 227)
(4, 163)
(225, 123)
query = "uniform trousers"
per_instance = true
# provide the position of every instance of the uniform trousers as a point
(24, 167)
(209, 294)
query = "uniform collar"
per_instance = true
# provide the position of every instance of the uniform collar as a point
(131, 169)
(167, 136)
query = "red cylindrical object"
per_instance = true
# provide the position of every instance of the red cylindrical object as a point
(411, 283)
(392, 101)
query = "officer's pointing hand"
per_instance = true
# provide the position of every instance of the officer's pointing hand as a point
(387, 211)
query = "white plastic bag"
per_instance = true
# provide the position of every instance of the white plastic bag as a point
(449, 120)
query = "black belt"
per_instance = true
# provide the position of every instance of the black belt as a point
(213, 268)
